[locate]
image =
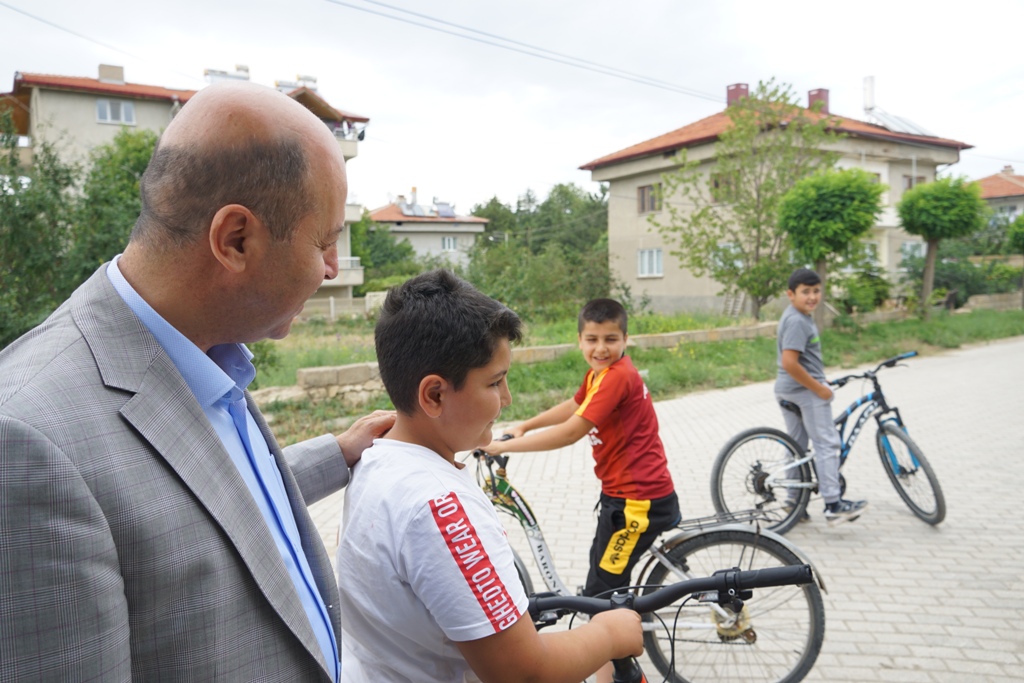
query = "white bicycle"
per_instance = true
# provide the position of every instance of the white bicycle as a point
(773, 639)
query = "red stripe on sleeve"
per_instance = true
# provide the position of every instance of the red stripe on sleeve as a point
(481, 577)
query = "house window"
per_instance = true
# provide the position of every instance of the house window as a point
(449, 244)
(649, 263)
(910, 181)
(721, 189)
(912, 249)
(115, 111)
(1010, 210)
(871, 250)
(648, 198)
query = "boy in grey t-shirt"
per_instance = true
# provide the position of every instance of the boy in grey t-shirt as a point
(801, 381)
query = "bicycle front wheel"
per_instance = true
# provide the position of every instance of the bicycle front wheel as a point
(775, 638)
(752, 471)
(910, 473)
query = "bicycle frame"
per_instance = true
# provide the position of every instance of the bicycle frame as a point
(871, 404)
(505, 497)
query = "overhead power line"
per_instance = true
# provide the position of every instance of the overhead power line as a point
(85, 37)
(524, 48)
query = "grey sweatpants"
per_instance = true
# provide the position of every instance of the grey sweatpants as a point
(815, 424)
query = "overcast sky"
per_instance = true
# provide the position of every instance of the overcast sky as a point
(464, 119)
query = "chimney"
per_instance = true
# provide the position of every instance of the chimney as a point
(734, 93)
(819, 95)
(413, 202)
(112, 74)
(1007, 170)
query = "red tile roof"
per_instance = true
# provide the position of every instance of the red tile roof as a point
(23, 82)
(1001, 185)
(708, 129)
(392, 213)
(94, 85)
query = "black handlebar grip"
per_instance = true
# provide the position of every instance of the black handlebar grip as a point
(787, 575)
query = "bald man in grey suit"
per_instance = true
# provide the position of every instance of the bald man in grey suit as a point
(151, 528)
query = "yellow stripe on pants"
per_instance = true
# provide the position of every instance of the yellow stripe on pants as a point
(623, 542)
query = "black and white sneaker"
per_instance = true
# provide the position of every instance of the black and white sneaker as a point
(844, 511)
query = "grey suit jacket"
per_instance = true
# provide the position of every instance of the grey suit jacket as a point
(130, 547)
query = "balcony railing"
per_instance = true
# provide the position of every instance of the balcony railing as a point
(350, 273)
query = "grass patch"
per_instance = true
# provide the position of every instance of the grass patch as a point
(683, 369)
(319, 343)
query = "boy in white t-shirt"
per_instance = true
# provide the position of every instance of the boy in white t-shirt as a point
(428, 588)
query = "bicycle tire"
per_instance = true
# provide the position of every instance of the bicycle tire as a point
(523, 572)
(738, 477)
(789, 621)
(923, 496)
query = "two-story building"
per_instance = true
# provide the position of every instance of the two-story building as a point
(1004, 193)
(433, 230)
(899, 154)
(77, 114)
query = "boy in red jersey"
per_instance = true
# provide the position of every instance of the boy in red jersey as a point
(613, 408)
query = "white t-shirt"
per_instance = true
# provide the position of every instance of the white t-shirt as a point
(423, 563)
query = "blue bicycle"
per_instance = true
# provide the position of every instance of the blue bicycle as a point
(764, 468)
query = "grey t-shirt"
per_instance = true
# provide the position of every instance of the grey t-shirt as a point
(798, 332)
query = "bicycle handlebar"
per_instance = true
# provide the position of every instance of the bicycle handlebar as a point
(730, 582)
(891, 362)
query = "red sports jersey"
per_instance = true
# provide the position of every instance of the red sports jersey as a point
(628, 453)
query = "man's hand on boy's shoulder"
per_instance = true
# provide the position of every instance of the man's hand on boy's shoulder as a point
(360, 435)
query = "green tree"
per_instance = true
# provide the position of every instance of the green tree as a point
(36, 208)
(826, 213)
(571, 217)
(385, 260)
(723, 215)
(501, 224)
(945, 209)
(546, 286)
(109, 205)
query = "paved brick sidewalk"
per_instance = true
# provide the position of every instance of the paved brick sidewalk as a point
(906, 601)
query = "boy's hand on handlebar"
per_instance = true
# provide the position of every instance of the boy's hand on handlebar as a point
(625, 631)
(495, 447)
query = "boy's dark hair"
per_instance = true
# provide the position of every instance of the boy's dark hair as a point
(603, 310)
(437, 324)
(803, 276)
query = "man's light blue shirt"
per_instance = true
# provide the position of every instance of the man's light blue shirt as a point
(218, 381)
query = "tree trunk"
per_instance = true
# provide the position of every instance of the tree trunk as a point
(819, 313)
(929, 278)
(755, 308)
